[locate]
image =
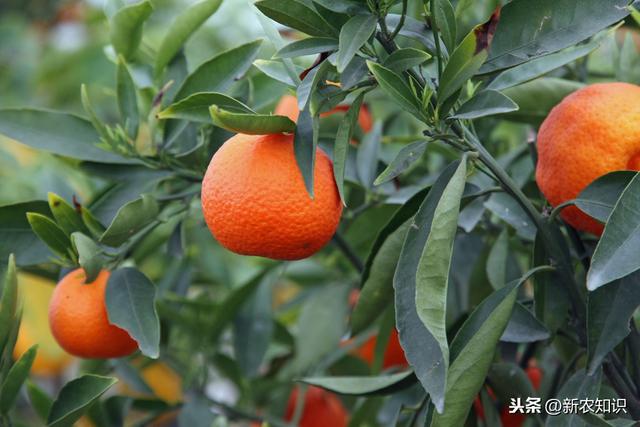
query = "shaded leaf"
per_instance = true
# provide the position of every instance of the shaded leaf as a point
(485, 103)
(406, 157)
(353, 35)
(131, 218)
(367, 156)
(524, 327)
(580, 386)
(75, 398)
(17, 375)
(89, 255)
(297, 15)
(277, 70)
(39, 399)
(49, 232)
(126, 27)
(445, 21)
(405, 58)
(341, 145)
(308, 46)
(304, 145)
(599, 198)
(361, 385)
(397, 88)
(127, 99)
(196, 107)
(251, 124)
(67, 218)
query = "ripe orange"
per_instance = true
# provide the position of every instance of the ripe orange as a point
(35, 293)
(321, 409)
(592, 132)
(255, 202)
(393, 354)
(79, 322)
(288, 106)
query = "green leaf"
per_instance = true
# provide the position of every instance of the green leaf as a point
(253, 329)
(615, 255)
(397, 88)
(304, 146)
(408, 155)
(297, 15)
(130, 219)
(367, 156)
(350, 7)
(405, 58)
(523, 327)
(321, 325)
(127, 99)
(130, 300)
(507, 209)
(353, 35)
(432, 276)
(181, 29)
(196, 107)
(309, 85)
(219, 72)
(17, 375)
(76, 397)
(40, 400)
(377, 277)
(49, 232)
(8, 306)
(196, 412)
(67, 218)
(361, 385)
(599, 198)
(509, 380)
(277, 70)
(464, 62)
(308, 46)
(445, 20)
(524, 33)
(126, 27)
(608, 312)
(420, 347)
(341, 145)
(536, 98)
(95, 227)
(58, 133)
(472, 351)
(89, 255)
(580, 386)
(413, 29)
(485, 103)
(251, 124)
(355, 72)
(539, 66)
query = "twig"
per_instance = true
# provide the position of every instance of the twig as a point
(353, 258)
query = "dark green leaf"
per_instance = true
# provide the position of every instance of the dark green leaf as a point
(580, 386)
(507, 209)
(309, 85)
(351, 7)
(297, 15)
(524, 327)
(196, 107)
(126, 27)
(308, 46)
(181, 29)
(509, 380)
(17, 375)
(277, 70)
(251, 124)
(219, 72)
(485, 103)
(40, 400)
(421, 348)
(524, 33)
(609, 310)
(355, 72)
(353, 35)
(397, 88)
(8, 305)
(360, 385)
(130, 219)
(75, 398)
(539, 66)
(130, 300)
(407, 156)
(341, 145)
(49, 232)
(16, 235)
(599, 198)
(497, 261)
(615, 255)
(405, 58)
(89, 255)
(432, 276)
(95, 227)
(67, 218)
(536, 98)
(58, 133)
(413, 29)
(445, 21)
(367, 156)
(127, 99)
(304, 145)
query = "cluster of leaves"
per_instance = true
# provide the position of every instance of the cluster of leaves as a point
(461, 247)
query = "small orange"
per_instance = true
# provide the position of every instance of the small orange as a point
(321, 409)
(592, 132)
(393, 354)
(79, 321)
(255, 202)
(288, 106)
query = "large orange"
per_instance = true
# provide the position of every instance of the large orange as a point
(592, 132)
(79, 321)
(255, 202)
(321, 409)
(288, 106)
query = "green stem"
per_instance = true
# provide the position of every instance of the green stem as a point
(401, 22)
(436, 39)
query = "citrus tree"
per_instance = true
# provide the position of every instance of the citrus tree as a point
(381, 212)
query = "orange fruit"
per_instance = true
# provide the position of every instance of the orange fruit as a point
(288, 106)
(255, 202)
(79, 322)
(35, 293)
(321, 409)
(393, 354)
(592, 132)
